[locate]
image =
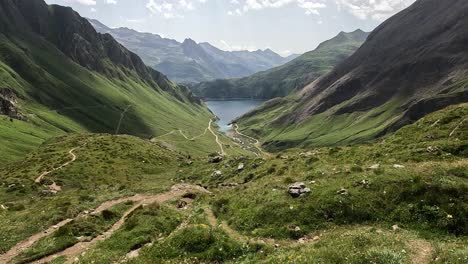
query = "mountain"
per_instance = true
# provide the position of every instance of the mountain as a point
(191, 62)
(413, 64)
(282, 80)
(58, 75)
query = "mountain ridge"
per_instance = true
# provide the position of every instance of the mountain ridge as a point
(69, 78)
(282, 80)
(191, 62)
(403, 68)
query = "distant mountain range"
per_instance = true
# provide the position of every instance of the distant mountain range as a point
(281, 81)
(191, 62)
(413, 64)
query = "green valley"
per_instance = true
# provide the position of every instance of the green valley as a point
(359, 156)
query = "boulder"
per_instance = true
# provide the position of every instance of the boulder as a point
(297, 189)
(216, 159)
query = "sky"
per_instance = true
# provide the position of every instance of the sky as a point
(285, 26)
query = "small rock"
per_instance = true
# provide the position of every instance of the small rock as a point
(4, 207)
(398, 166)
(374, 167)
(189, 162)
(342, 191)
(294, 228)
(364, 183)
(395, 227)
(431, 149)
(182, 204)
(240, 167)
(217, 173)
(216, 159)
(297, 189)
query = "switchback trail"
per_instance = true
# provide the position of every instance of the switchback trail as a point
(73, 158)
(257, 143)
(77, 249)
(223, 153)
(204, 133)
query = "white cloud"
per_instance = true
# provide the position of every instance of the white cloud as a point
(113, 2)
(363, 9)
(310, 6)
(93, 10)
(84, 2)
(172, 8)
(373, 9)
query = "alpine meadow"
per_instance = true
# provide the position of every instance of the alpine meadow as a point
(348, 141)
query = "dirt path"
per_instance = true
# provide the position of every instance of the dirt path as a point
(20, 247)
(213, 221)
(77, 249)
(422, 251)
(223, 153)
(73, 158)
(257, 143)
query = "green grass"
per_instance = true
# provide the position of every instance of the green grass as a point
(145, 225)
(59, 97)
(86, 227)
(426, 198)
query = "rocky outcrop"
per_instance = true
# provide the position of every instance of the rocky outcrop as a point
(298, 189)
(8, 101)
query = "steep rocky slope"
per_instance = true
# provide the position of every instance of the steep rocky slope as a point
(282, 80)
(414, 63)
(66, 77)
(190, 62)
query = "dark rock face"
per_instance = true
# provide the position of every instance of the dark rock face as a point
(78, 40)
(8, 100)
(415, 55)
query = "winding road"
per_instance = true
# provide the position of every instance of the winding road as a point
(257, 143)
(209, 128)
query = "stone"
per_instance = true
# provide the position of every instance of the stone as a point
(240, 167)
(182, 204)
(216, 159)
(217, 173)
(395, 227)
(297, 189)
(374, 167)
(398, 166)
(294, 228)
(342, 191)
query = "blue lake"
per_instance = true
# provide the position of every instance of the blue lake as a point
(230, 110)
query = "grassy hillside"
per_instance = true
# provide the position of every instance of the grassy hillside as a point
(403, 71)
(56, 95)
(416, 179)
(283, 80)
